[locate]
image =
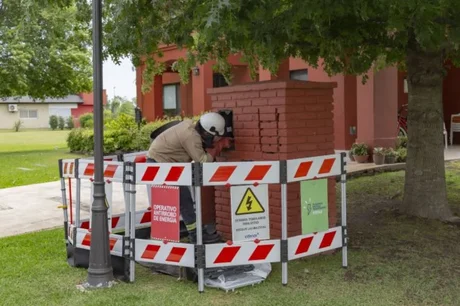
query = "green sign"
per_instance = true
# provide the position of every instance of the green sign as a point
(313, 198)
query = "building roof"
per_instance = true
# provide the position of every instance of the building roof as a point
(27, 99)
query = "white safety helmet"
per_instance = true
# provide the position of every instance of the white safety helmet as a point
(213, 123)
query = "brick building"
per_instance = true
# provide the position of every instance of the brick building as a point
(284, 117)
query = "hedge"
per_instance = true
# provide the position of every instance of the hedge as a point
(121, 135)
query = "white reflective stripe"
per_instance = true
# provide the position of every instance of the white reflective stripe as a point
(115, 242)
(242, 253)
(314, 167)
(175, 174)
(241, 173)
(171, 253)
(113, 171)
(68, 168)
(307, 245)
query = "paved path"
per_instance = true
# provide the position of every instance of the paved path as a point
(34, 207)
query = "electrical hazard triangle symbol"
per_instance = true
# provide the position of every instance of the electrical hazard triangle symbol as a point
(249, 204)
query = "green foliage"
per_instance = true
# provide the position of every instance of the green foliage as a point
(61, 123)
(401, 142)
(53, 122)
(86, 120)
(17, 125)
(359, 149)
(69, 123)
(45, 48)
(127, 109)
(401, 154)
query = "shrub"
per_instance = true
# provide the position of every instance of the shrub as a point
(53, 122)
(69, 123)
(17, 125)
(61, 123)
(401, 142)
(75, 140)
(86, 120)
(401, 154)
(120, 134)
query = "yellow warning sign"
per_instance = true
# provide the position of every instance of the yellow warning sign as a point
(249, 204)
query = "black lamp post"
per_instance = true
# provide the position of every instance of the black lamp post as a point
(100, 272)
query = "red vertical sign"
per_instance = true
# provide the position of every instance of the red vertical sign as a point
(165, 213)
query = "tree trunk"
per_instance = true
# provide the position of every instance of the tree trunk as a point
(425, 193)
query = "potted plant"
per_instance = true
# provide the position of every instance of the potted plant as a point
(390, 156)
(350, 153)
(360, 152)
(379, 156)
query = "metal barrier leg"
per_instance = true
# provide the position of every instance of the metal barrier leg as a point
(284, 261)
(343, 184)
(78, 203)
(199, 234)
(64, 208)
(132, 228)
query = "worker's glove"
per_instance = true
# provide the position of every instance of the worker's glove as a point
(219, 145)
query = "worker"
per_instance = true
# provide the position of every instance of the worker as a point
(186, 142)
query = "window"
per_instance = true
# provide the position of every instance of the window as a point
(28, 114)
(60, 111)
(171, 99)
(299, 75)
(218, 80)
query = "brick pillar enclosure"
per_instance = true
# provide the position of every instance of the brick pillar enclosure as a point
(277, 120)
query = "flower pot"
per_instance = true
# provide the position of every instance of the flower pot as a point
(379, 159)
(361, 158)
(390, 159)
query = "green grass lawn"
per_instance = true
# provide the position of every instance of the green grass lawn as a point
(393, 260)
(31, 157)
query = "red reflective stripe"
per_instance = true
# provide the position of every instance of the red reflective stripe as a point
(326, 166)
(113, 241)
(110, 171)
(174, 174)
(71, 168)
(150, 173)
(261, 252)
(176, 254)
(85, 225)
(304, 245)
(327, 240)
(86, 240)
(303, 169)
(227, 254)
(115, 221)
(146, 217)
(258, 173)
(223, 174)
(140, 159)
(89, 170)
(150, 251)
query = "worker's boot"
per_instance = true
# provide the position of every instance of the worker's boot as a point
(207, 238)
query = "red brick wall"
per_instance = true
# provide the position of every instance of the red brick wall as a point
(277, 121)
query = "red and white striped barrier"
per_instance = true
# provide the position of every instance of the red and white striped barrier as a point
(307, 245)
(137, 157)
(241, 173)
(113, 171)
(176, 174)
(84, 242)
(106, 158)
(143, 218)
(243, 253)
(313, 167)
(68, 168)
(171, 253)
